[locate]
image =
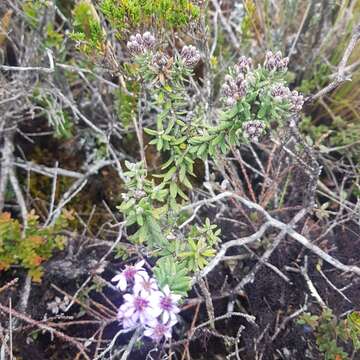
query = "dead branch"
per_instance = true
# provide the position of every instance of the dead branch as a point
(341, 75)
(277, 224)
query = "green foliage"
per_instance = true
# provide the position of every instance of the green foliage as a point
(353, 326)
(200, 246)
(172, 273)
(184, 140)
(29, 247)
(58, 118)
(121, 252)
(126, 104)
(33, 10)
(88, 32)
(125, 14)
(319, 78)
(143, 206)
(329, 330)
(54, 39)
(154, 207)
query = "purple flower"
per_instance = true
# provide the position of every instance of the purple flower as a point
(253, 129)
(280, 92)
(130, 274)
(244, 65)
(297, 101)
(167, 303)
(275, 61)
(190, 55)
(145, 286)
(138, 310)
(140, 44)
(234, 89)
(157, 330)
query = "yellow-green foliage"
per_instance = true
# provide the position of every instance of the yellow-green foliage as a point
(32, 10)
(88, 31)
(336, 120)
(31, 247)
(125, 14)
(329, 330)
(126, 103)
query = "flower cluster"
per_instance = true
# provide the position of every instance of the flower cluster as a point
(275, 61)
(190, 56)
(160, 60)
(140, 44)
(234, 88)
(253, 129)
(146, 305)
(281, 92)
(296, 101)
(244, 65)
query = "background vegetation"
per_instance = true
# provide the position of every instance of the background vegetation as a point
(259, 237)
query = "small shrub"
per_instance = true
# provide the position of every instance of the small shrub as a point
(29, 248)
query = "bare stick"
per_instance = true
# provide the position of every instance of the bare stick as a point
(19, 196)
(220, 254)
(265, 257)
(226, 25)
(47, 328)
(208, 302)
(341, 74)
(47, 171)
(300, 29)
(282, 226)
(7, 152)
(311, 286)
(289, 318)
(75, 188)
(130, 345)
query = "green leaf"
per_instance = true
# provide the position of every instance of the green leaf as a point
(151, 132)
(173, 190)
(170, 173)
(174, 274)
(154, 235)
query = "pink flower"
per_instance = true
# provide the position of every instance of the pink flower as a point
(168, 305)
(138, 309)
(157, 330)
(145, 286)
(130, 274)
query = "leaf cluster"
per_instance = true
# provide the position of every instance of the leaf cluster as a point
(88, 32)
(124, 14)
(30, 247)
(329, 330)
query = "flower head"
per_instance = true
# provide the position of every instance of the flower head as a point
(138, 309)
(190, 56)
(140, 44)
(157, 330)
(148, 308)
(145, 286)
(253, 129)
(275, 61)
(297, 101)
(167, 303)
(130, 274)
(234, 88)
(280, 92)
(244, 65)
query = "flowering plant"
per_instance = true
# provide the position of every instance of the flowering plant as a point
(254, 98)
(146, 306)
